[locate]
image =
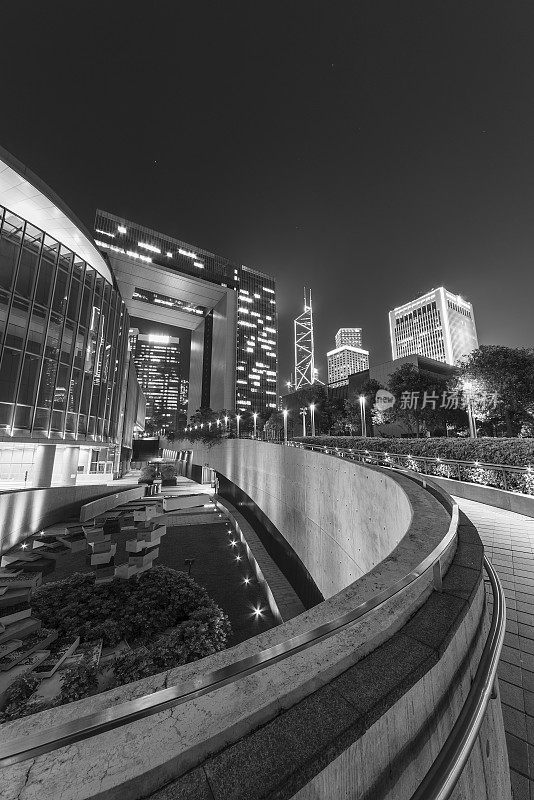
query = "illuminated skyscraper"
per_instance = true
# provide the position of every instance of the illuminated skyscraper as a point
(157, 360)
(344, 361)
(438, 325)
(230, 310)
(305, 373)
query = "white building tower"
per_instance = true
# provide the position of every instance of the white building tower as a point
(305, 374)
(438, 325)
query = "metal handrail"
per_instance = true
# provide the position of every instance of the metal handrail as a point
(26, 747)
(442, 777)
(381, 456)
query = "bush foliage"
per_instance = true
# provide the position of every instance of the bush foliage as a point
(135, 610)
(204, 633)
(511, 452)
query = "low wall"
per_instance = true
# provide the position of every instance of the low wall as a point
(339, 518)
(27, 511)
(96, 507)
(509, 501)
(361, 714)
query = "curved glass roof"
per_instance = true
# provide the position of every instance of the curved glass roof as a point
(24, 193)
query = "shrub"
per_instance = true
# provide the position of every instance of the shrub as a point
(168, 471)
(78, 681)
(136, 610)
(132, 665)
(17, 696)
(148, 473)
(511, 452)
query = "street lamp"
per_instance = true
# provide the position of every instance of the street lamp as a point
(226, 423)
(312, 414)
(255, 418)
(218, 422)
(285, 412)
(238, 417)
(362, 414)
(303, 415)
(209, 426)
(468, 389)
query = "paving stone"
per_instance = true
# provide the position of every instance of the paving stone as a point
(515, 722)
(512, 695)
(517, 754)
(510, 673)
(520, 786)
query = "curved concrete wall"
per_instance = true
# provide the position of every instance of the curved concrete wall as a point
(340, 518)
(361, 714)
(27, 511)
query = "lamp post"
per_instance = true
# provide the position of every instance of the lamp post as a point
(218, 422)
(238, 417)
(255, 418)
(284, 413)
(468, 388)
(226, 424)
(312, 414)
(303, 415)
(362, 414)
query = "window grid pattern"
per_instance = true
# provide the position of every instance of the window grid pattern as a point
(420, 331)
(257, 321)
(62, 340)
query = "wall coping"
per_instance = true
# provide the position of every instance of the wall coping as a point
(241, 706)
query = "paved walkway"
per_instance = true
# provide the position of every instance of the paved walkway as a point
(509, 542)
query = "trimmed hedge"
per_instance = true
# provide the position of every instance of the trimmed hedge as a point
(512, 452)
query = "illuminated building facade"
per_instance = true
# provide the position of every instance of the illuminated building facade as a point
(438, 325)
(229, 309)
(351, 337)
(305, 372)
(344, 361)
(157, 361)
(63, 340)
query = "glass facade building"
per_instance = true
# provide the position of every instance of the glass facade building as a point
(157, 361)
(64, 357)
(63, 342)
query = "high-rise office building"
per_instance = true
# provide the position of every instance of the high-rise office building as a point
(438, 325)
(229, 309)
(349, 336)
(344, 361)
(157, 360)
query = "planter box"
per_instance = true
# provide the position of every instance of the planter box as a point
(20, 580)
(36, 642)
(20, 629)
(22, 668)
(169, 482)
(8, 618)
(14, 597)
(47, 668)
(42, 564)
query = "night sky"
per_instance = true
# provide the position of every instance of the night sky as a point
(370, 150)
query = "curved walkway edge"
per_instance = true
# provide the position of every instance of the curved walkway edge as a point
(508, 539)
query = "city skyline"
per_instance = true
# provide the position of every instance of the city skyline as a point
(371, 167)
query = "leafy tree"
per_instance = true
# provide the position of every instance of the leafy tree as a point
(203, 426)
(506, 375)
(353, 409)
(419, 399)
